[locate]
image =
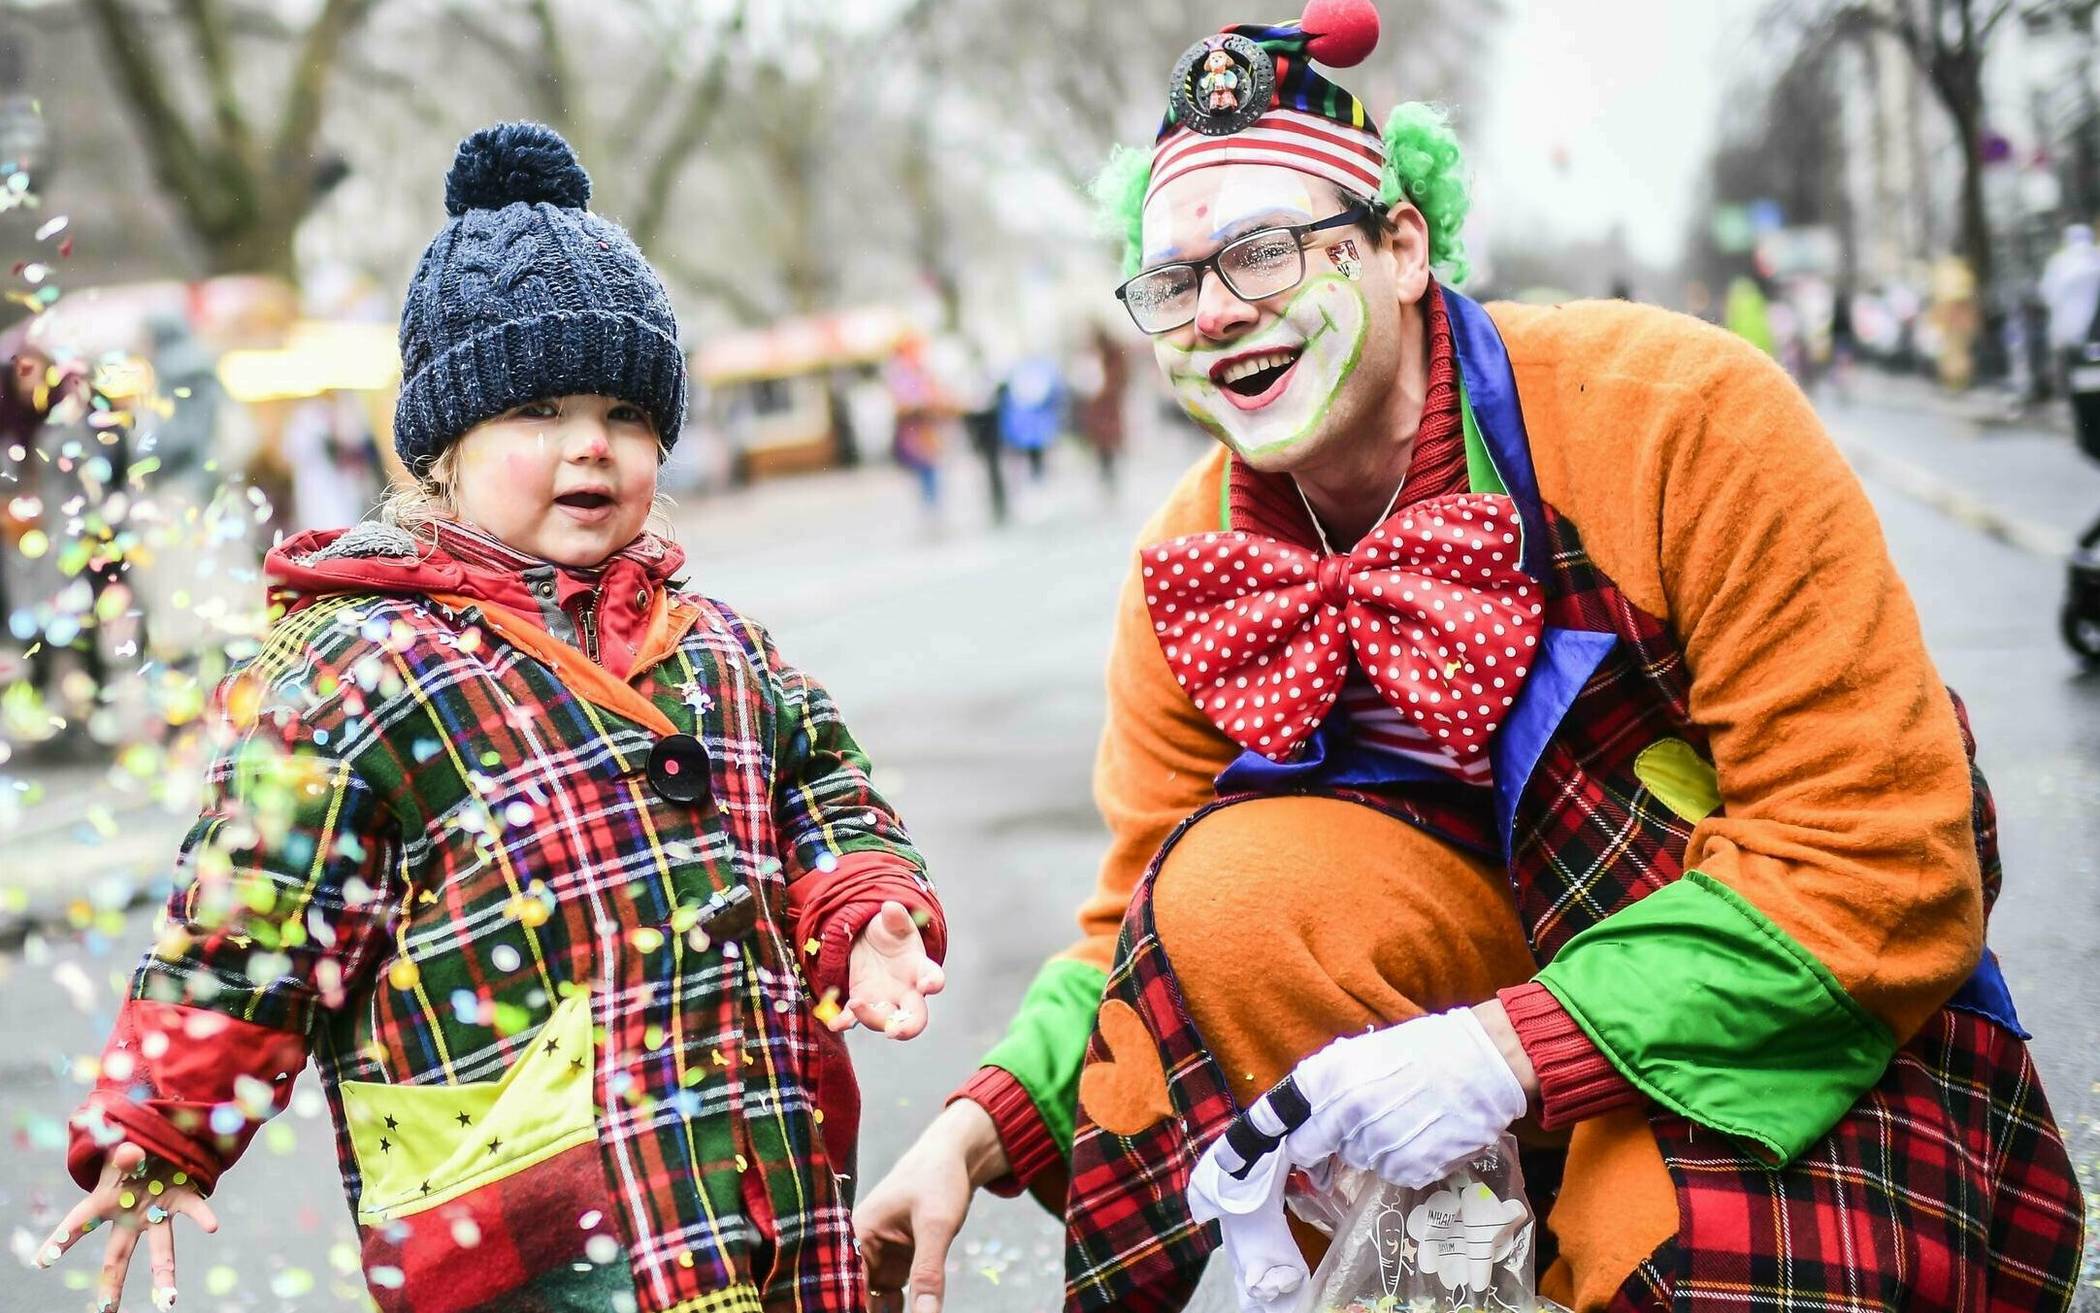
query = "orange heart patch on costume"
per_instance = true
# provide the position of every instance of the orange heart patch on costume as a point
(1126, 1092)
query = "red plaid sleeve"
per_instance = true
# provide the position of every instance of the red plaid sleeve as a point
(284, 890)
(1576, 1080)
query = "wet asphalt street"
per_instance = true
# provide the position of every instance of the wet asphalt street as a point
(968, 662)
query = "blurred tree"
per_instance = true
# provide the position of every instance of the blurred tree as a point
(1948, 42)
(238, 178)
(662, 117)
(1780, 141)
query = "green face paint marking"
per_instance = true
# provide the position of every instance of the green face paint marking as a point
(1326, 322)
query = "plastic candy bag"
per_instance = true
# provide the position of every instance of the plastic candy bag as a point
(1464, 1243)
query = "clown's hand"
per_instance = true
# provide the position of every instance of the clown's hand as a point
(1409, 1103)
(1238, 1182)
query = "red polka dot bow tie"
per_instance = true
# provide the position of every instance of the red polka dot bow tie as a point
(1432, 604)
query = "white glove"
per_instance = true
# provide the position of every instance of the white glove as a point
(1409, 1103)
(1267, 1268)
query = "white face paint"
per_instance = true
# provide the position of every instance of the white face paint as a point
(1320, 335)
(1247, 195)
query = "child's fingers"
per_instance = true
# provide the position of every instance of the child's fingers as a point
(193, 1207)
(160, 1250)
(126, 1161)
(907, 1017)
(85, 1217)
(116, 1264)
(932, 980)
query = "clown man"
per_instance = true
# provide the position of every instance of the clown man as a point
(1515, 723)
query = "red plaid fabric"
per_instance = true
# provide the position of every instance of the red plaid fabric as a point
(1946, 1187)
(1130, 1242)
(1138, 1248)
(517, 1245)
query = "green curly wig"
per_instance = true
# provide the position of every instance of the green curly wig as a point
(1423, 163)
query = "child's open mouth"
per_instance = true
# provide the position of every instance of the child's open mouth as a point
(1254, 380)
(587, 504)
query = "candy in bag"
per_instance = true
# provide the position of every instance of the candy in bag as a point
(1463, 1243)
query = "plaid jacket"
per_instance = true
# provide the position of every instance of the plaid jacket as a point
(570, 1065)
(1946, 1184)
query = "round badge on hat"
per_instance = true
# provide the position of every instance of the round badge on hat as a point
(678, 769)
(1222, 84)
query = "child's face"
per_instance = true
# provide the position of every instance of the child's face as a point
(567, 479)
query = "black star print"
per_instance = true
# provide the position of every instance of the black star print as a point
(384, 1146)
(392, 1125)
(464, 1119)
(575, 1064)
(426, 1187)
(493, 1143)
(550, 1046)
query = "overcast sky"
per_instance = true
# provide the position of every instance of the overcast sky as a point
(1600, 111)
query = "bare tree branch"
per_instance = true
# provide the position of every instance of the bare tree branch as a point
(317, 60)
(171, 150)
(713, 286)
(703, 98)
(207, 25)
(553, 82)
(470, 25)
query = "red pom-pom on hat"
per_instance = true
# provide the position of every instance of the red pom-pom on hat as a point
(1343, 32)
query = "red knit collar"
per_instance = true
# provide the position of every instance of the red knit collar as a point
(1269, 504)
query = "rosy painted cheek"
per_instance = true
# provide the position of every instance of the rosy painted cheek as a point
(523, 473)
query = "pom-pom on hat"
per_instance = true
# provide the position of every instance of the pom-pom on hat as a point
(1250, 95)
(525, 294)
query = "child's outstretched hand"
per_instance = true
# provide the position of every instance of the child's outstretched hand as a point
(136, 1194)
(889, 977)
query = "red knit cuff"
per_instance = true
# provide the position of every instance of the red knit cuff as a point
(1031, 1151)
(142, 1127)
(1576, 1080)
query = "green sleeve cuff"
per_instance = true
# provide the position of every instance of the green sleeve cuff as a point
(1045, 1046)
(1716, 1013)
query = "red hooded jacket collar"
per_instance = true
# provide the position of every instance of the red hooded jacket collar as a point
(612, 600)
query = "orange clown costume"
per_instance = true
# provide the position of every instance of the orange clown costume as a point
(1724, 855)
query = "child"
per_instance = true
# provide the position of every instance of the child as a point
(561, 876)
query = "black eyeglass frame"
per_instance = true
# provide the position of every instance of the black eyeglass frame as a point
(1354, 214)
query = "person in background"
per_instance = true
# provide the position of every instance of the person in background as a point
(1748, 315)
(1101, 420)
(2070, 288)
(64, 463)
(1032, 409)
(922, 413)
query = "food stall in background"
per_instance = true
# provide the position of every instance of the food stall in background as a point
(789, 397)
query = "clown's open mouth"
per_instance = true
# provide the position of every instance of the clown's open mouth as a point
(1254, 377)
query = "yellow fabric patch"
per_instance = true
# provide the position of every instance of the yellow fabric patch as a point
(1674, 771)
(418, 1146)
(736, 1299)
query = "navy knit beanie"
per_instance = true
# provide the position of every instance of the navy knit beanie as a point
(526, 294)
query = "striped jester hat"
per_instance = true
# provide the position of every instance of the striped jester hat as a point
(1250, 95)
